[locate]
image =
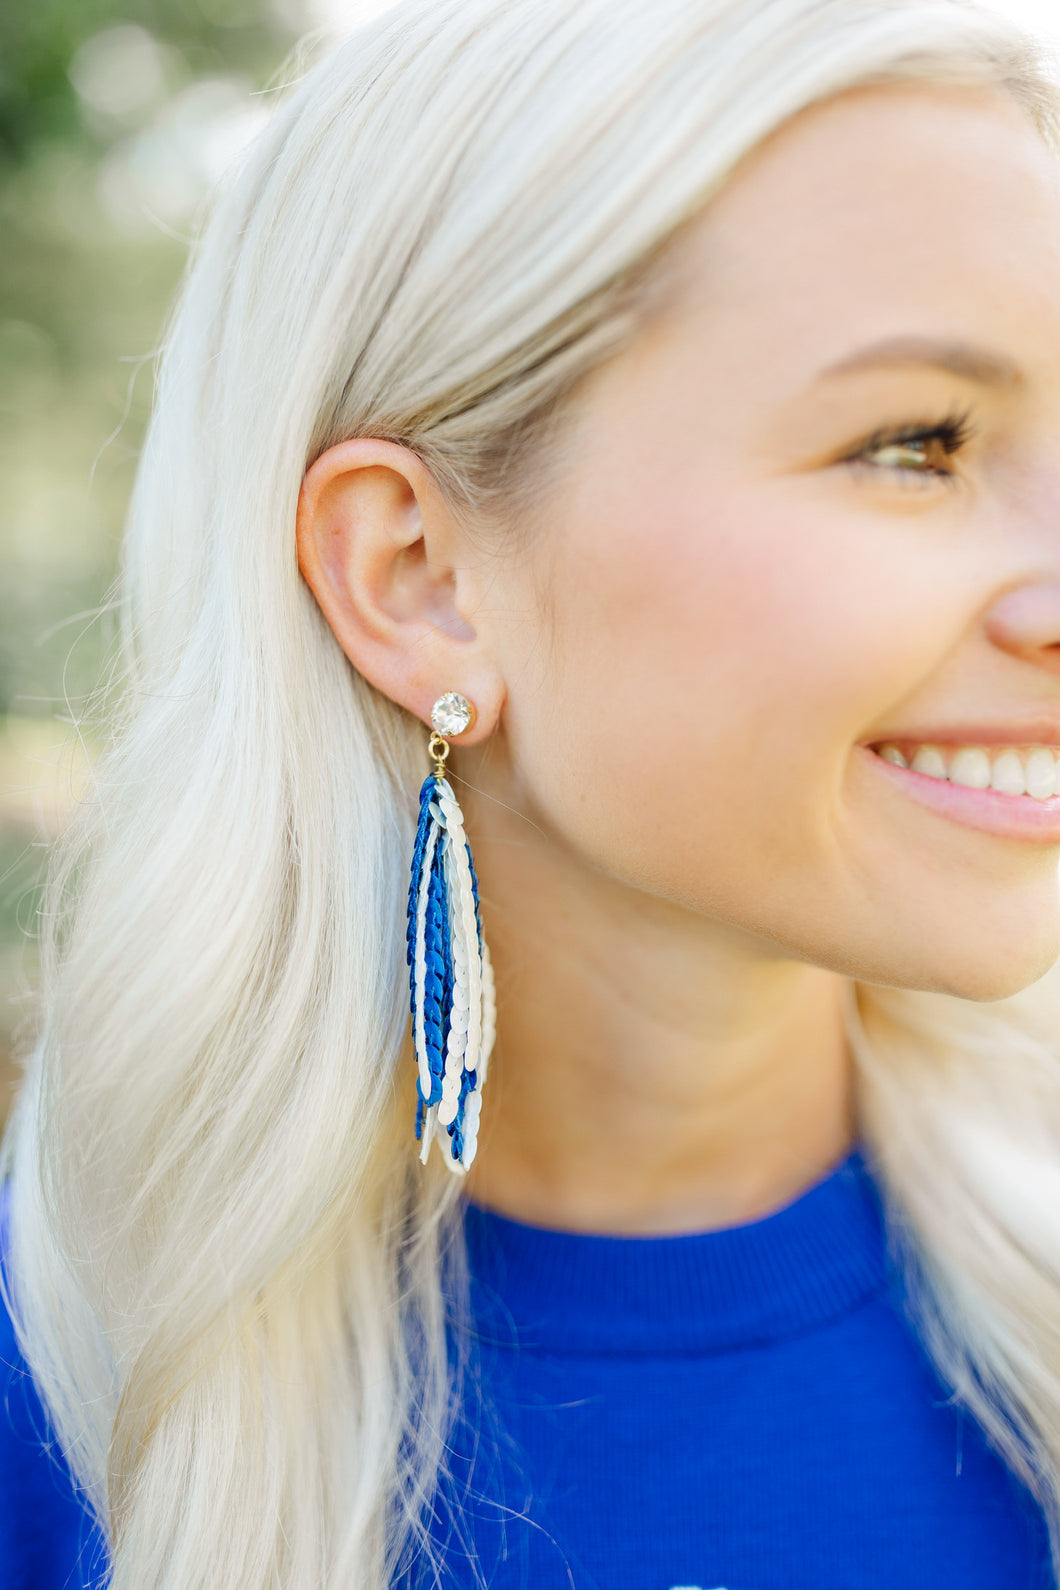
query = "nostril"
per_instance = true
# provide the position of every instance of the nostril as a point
(1026, 621)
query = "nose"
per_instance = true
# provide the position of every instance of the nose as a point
(1026, 623)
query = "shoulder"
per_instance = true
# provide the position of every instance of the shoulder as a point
(48, 1539)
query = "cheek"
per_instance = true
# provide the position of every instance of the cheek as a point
(706, 677)
(687, 718)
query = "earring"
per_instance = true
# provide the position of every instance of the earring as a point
(450, 976)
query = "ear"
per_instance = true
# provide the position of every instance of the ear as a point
(394, 576)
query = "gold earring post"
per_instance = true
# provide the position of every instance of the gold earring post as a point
(439, 749)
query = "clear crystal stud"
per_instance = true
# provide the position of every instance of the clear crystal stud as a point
(452, 714)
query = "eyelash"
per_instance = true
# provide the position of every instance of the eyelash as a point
(952, 433)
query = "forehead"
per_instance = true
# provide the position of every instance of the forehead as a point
(925, 207)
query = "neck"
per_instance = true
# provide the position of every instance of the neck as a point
(655, 1070)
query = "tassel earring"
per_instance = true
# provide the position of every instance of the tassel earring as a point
(450, 976)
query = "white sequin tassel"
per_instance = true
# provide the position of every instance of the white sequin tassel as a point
(451, 982)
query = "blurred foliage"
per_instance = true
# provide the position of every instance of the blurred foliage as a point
(115, 117)
(39, 39)
(82, 297)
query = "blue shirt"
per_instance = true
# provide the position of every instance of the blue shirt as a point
(745, 1408)
(48, 1540)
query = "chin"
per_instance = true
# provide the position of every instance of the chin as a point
(994, 971)
(973, 939)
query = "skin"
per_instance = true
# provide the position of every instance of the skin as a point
(686, 847)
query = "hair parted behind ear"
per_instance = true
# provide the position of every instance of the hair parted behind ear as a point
(227, 1265)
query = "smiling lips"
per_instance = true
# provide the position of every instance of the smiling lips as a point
(1006, 789)
(1025, 770)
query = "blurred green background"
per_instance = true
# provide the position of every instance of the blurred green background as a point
(116, 119)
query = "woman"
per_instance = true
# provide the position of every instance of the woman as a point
(675, 384)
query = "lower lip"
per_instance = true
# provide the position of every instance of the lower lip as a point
(1011, 816)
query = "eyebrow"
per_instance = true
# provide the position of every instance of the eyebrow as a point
(959, 358)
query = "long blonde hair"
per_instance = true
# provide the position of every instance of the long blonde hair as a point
(229, 1269)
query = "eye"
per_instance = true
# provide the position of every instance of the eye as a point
(923, 453)
(915, 450)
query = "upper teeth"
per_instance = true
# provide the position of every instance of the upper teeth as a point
(1022, 770)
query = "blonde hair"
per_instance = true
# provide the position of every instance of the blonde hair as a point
(230, 1270)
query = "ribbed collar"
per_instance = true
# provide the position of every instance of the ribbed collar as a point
(793, 1270)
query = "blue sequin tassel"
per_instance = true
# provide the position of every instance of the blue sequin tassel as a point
(451, 979)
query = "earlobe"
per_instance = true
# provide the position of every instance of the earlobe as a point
(385, 559)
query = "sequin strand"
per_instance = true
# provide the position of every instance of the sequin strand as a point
(451, 979)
